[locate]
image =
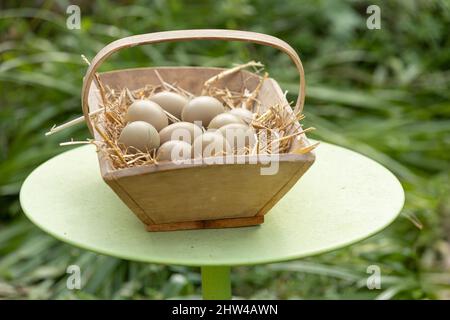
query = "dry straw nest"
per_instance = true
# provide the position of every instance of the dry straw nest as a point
(275, 126)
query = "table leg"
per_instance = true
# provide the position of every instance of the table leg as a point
(216, 284)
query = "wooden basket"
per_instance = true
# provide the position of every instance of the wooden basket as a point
(170, 196)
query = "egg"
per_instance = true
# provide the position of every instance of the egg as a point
(171, 102)
(148, 111)
(243, 114)
(184, 131)
(140, 135)
(174, 150)
(223, 119)
(203, 108)
(238, 136)
(210, 144)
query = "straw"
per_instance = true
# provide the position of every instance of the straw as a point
(275, 127)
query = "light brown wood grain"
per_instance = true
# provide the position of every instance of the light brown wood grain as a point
(207, 224)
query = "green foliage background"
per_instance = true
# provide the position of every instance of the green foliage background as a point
(384, 93)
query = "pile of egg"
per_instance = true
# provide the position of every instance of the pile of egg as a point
(148, 127)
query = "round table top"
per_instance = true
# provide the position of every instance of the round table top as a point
(344, 197)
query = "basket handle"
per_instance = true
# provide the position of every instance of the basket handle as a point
(184, 35)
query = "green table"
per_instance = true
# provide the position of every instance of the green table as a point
(345, 197)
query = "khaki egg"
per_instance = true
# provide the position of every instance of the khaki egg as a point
(238, 136)
(184, 131)
(139, 135)
(174, 150)
(210, 144)
(243, 114)
(202, 109)
(171, 102)
(148, 111)
(223, 119)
